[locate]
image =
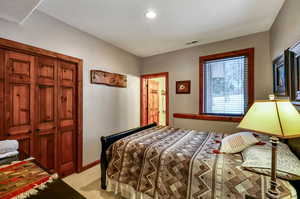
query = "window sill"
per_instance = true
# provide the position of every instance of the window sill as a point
(207, 117)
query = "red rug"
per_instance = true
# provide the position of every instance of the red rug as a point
(22, 179)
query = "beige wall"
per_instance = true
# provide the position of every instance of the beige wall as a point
(108, 109)
(184, 65)
(286, 29)
(105, 109)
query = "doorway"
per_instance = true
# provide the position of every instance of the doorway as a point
(155, 99)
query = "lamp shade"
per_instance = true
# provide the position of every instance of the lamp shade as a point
(273, 117)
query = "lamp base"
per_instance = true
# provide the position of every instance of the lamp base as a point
(272, 191)
(273, 194)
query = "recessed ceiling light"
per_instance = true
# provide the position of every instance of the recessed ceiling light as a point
(150, 14)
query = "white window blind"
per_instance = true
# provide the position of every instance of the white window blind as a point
(226, 86)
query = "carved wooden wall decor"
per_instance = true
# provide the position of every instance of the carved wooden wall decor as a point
(110, 79)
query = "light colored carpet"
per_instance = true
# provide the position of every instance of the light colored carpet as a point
(88, 184)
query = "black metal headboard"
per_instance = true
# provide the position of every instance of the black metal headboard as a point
(106, 141)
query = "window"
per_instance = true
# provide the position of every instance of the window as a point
(226, 86)
(226, 83)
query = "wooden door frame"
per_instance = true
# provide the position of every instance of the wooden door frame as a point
(6, 44)
(151, 76)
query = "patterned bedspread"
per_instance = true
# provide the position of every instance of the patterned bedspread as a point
(165, 162)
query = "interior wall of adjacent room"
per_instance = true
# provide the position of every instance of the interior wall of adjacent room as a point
(162, 100)
(285, 30)
(184, 65)
(105, 109)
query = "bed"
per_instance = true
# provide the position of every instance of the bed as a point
(165, 162)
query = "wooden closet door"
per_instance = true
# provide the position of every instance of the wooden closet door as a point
(19, 98)
(67, 117)
(46, 112)
(2, 115)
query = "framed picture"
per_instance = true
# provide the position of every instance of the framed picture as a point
(298, 74)
(183, 87)
(295, 72)
(296, 79)
(281, 75)
(297, 96)
(281, 78)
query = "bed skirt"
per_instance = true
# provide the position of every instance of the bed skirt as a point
(124, 190)
(129, 192)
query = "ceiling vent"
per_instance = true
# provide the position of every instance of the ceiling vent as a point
(192, 42)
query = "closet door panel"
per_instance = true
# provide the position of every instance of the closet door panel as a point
(46, 98)
(46, 142)
(46, 112)
(67, 117)
(67, 139)
(67, 104)
(67, 74)
(20, 105)
(19, 88)
(46, 70)
(20, 67)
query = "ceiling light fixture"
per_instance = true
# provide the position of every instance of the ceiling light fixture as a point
(150, 14)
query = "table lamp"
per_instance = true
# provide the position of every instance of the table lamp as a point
(277, 118)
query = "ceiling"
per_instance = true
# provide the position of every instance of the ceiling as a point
(17, 11)
(123, 23)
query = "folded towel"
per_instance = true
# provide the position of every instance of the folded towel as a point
(9, 154)
(8, 146)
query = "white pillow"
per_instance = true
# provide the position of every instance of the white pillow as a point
(258, 159)
(7, 146)
(238, 142)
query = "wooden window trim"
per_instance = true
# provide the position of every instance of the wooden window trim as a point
(203, 116)
(207, 117)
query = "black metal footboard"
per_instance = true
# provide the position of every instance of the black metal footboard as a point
(106, 141)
